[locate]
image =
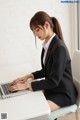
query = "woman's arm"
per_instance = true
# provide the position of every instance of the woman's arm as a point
(38, 74)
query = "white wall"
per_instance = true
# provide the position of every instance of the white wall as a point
(17, 43)
(74, 29)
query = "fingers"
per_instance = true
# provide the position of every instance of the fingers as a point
(18, 80)
(17, 87)
(18, 84)
(13, 88)
(15, 81)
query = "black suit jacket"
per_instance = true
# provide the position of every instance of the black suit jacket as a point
(56, 73)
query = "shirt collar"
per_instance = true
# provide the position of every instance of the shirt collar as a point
(46, 44)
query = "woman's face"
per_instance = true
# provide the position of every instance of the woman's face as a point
(41, 32)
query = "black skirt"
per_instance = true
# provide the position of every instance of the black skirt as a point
(61, 100)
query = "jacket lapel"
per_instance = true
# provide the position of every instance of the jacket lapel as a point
(52, 44)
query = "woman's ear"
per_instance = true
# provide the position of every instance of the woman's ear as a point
(46, 25)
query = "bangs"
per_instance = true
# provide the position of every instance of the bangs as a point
(33, 25)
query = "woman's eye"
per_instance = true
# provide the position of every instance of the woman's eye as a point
(37, 30)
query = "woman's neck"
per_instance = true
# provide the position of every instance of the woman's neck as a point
(49, 36)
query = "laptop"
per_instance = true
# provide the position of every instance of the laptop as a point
(5, 93)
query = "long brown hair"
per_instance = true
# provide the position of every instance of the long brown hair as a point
(41, 17)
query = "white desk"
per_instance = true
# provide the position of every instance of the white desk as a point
(31, 106)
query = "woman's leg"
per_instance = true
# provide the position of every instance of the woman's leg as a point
(53, 106)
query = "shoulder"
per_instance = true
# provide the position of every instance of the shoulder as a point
(58, 45)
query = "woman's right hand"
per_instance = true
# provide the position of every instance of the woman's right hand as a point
(21, 79)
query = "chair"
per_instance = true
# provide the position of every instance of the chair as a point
(76, 76)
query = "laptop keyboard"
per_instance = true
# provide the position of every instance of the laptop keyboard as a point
(6, 88)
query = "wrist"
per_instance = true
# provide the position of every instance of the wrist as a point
(30, 76)
(28, 85)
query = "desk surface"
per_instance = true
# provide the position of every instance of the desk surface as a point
(24, 107)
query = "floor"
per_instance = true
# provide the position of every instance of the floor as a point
(71, 116)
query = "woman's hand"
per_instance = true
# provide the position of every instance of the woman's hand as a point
(22, 79)
(19, 80)
(20, 86)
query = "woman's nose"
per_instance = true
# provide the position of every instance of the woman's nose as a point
(36, 34)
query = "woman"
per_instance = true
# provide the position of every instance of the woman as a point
(56, 76)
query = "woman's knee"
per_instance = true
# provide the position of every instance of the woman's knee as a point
(53, 106)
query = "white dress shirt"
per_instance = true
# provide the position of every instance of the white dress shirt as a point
(46, 46)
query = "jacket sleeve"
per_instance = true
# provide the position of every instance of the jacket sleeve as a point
(38, 74)
(57, 69)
